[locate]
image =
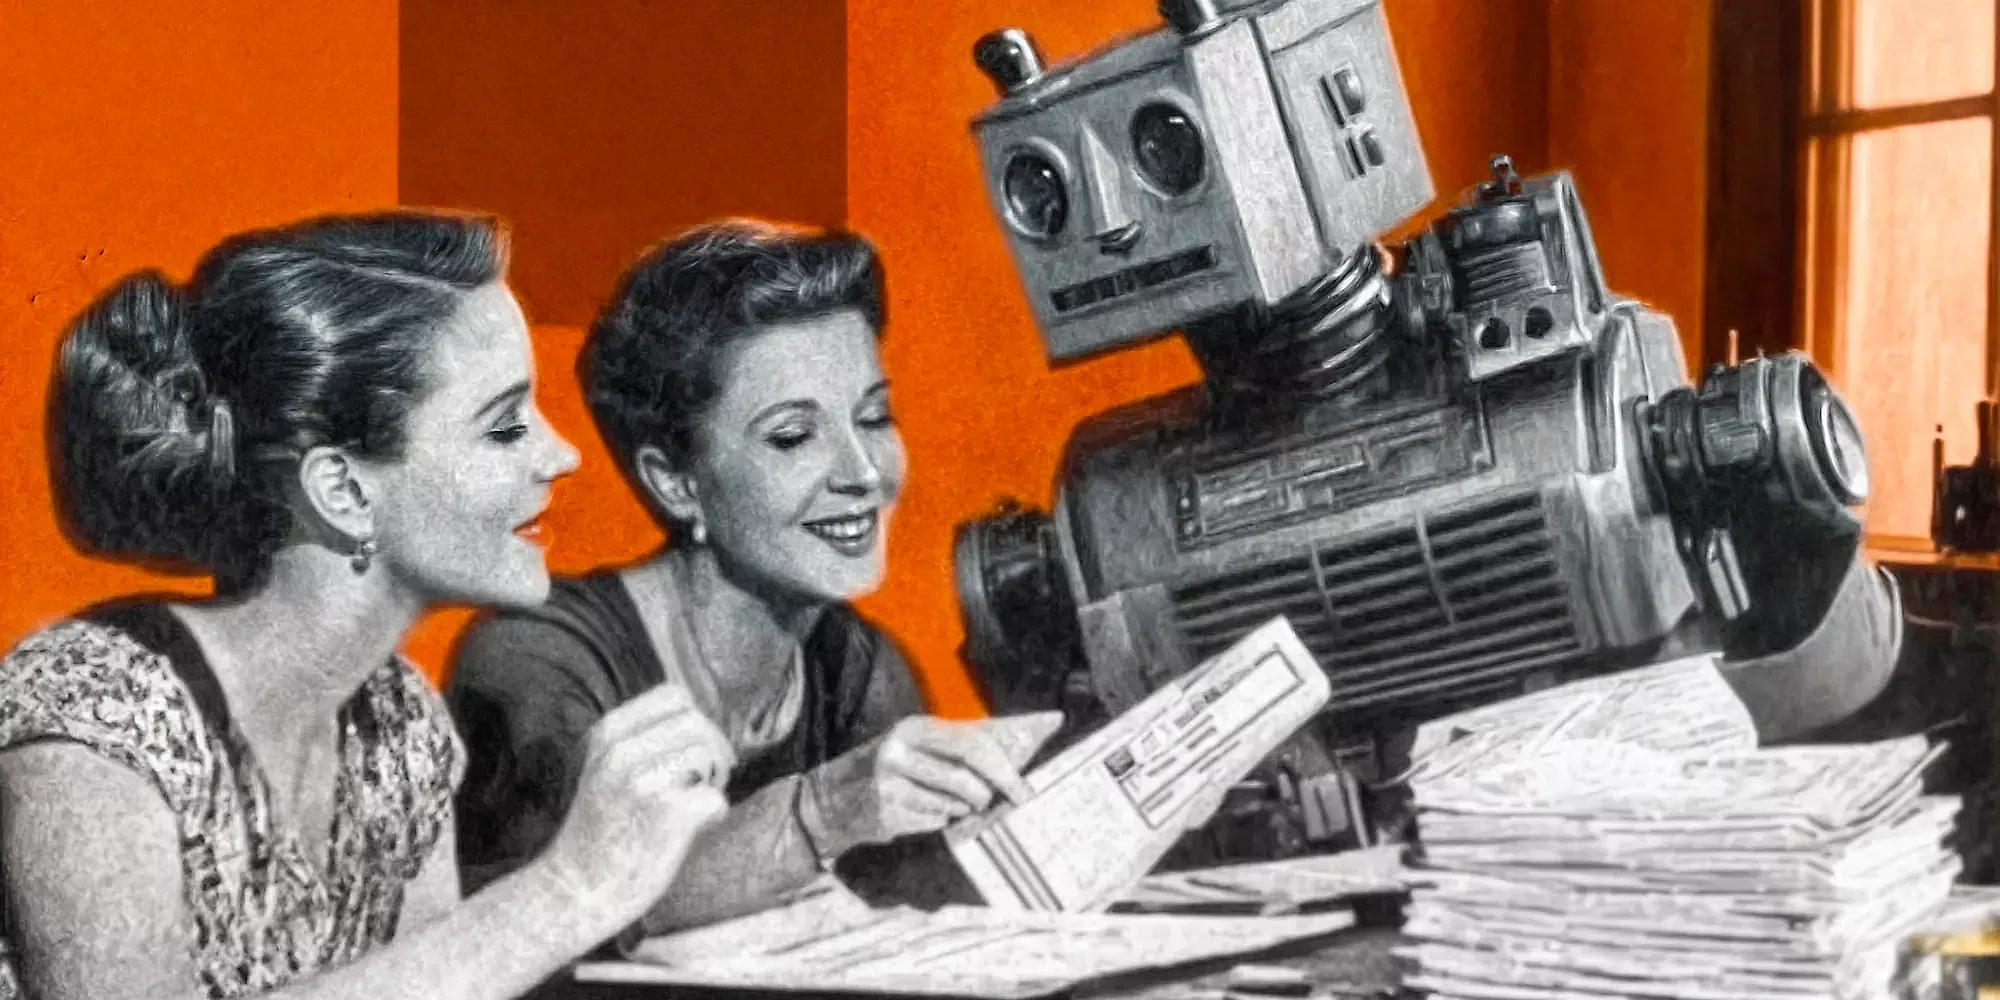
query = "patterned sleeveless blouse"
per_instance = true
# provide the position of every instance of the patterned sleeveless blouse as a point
(133, 687)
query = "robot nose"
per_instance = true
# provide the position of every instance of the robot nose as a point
(1112, 224)
(1119, 240)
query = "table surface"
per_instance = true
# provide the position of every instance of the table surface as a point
(1354, 963)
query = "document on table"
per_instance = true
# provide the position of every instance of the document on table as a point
(833, 942)
(1282, 886)
(1103, 812)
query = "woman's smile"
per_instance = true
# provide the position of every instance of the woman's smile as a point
(851, 535)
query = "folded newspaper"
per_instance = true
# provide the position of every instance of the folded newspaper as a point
(1625, 836)
(1105, 811)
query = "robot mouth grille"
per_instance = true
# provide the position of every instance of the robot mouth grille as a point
(1134, 279)
(1411, 617)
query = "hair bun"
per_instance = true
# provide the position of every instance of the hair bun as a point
(144, 448)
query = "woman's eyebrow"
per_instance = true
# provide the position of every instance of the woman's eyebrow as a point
(505, 396)
(807, 405)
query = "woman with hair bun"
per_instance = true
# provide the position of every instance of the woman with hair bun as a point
(251, 794)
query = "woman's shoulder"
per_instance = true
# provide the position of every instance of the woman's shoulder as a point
(407, 731)
(91, 681)
(590, 609)
(863, 663)
(58, 666)
(587, 630)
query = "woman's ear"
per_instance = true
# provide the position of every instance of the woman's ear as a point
(670, 489)
(339, 492)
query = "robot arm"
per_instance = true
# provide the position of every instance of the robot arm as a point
(1764, 470)
(1824, 637)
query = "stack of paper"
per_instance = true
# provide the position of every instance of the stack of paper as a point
(1625, 837)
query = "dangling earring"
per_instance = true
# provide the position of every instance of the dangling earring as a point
(698, 533)
(364, 553)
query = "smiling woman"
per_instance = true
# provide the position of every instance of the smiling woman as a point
(252, 795)
(736, 375)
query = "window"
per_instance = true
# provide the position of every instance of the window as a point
(1897, 296)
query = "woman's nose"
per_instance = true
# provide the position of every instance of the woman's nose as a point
(854, 469)
(559, 457)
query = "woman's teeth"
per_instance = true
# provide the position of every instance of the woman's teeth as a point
(843, 529)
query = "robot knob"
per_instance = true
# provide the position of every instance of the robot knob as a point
(1505, 181)
(1009, 58)
(1190, 17)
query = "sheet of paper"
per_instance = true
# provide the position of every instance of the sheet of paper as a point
(1682, 705)
(1104, 811)
(1276, 886)
(831, 942)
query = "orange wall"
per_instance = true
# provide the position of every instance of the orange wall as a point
(138, 134)
(982, 413)
(599, 128)
(1628, 113)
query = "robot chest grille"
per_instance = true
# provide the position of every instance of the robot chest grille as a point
(1432, 609)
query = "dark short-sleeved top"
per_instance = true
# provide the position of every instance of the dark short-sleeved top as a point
(128, 682)
(528, 684)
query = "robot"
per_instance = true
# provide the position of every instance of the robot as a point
(1461, 466)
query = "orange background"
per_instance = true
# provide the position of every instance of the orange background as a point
(133, 138)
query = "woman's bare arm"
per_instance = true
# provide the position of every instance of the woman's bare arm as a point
(93, 878)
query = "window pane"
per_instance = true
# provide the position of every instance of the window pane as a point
(1913, 347)
(1915, 51)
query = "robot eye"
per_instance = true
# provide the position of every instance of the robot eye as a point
(1168, 148)
(1036, 195)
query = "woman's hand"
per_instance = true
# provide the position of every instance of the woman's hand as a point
(915, 778)
(653, 774)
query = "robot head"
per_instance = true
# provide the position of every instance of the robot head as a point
(1228, 160)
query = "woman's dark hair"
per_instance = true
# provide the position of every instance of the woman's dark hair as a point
(177, 412)
(649, 365)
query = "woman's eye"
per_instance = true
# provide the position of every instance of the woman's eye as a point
(786, 440)
(508, 434)
(877, 421)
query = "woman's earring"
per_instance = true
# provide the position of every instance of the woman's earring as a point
(698, 533)
(364, 553)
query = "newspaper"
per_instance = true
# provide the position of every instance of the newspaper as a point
(832, 942)
(1625, 836)
(1102, 813)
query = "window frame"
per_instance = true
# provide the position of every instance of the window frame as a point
(1802, 52)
